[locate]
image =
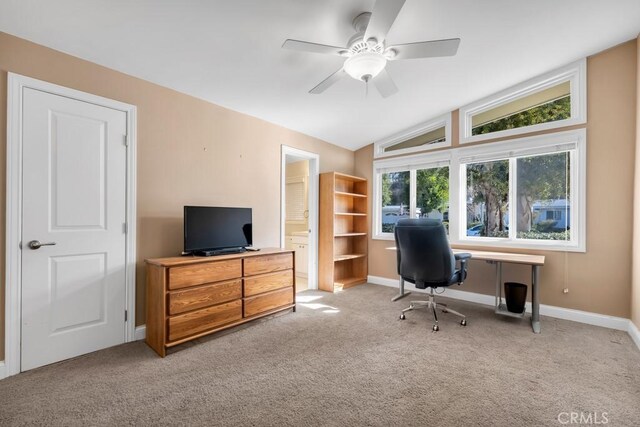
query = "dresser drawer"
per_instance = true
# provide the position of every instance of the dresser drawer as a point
(267, 302)
(204, 296)
(198, 274)
(267, 264)
(267, 282)
(187, 324)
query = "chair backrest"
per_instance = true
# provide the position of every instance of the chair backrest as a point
(424, 254)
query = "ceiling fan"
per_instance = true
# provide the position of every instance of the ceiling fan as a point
(366, 51)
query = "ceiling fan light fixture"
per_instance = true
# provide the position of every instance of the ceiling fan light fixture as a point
(365, 65)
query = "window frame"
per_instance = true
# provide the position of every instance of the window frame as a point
(405, 135)
(575, 73)
(404, 164)
(573, 141)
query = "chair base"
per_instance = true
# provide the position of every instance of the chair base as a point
(431, 303)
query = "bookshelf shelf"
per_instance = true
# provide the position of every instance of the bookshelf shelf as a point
(345, 194)
(346, 257)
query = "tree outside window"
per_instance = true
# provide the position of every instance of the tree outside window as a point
(488, 199)
(432, 194)
(544, 202)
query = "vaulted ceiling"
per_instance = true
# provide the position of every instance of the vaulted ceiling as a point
(229, 52)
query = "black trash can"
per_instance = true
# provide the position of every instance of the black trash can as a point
(516, 296)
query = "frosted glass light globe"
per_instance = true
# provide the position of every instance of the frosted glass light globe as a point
(365, 65)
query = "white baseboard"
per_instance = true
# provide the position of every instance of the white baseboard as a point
(589, 318)
(634, 333)
(3, 371)
(141, 332)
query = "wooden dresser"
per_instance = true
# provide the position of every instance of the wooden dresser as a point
(189, 297)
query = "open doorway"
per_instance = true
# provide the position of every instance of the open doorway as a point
(299, 213)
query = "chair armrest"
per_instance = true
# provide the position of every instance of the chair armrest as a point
(462, 256)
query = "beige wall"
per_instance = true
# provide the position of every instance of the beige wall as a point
(635, 292)
(189, 152)
(599, 280)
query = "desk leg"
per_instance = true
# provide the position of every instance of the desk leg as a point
(498, 284)
(402, 293)
(535, 300)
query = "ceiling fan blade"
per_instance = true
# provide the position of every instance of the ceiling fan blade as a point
(382, 18)
(384, 83)
(431, 49)
(329, 81)
(313, 47)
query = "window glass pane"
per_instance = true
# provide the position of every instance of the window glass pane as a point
(488, 199)
(432, 194)
(545, 106)
(544, 200)
(431, 137)
(395, 199)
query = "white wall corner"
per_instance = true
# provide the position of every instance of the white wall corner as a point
(141, 332)
(3, 372)
(595, 319)
(634, 333)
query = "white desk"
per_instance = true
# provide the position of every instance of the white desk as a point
(498, 258)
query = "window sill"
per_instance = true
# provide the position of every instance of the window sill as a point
(383, 237)
(522, 244)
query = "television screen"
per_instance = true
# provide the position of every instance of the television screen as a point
(208, 228)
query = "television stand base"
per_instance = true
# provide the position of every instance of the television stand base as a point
(225, 251)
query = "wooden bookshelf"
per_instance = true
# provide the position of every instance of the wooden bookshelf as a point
(342, 255)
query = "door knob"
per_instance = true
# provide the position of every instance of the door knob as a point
(35, 244)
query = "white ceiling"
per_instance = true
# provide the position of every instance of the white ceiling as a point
(228, 51)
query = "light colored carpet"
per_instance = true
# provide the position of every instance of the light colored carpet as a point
(345, 360)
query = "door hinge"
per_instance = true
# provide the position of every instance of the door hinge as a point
(125, 140)
(126, 315)
(125, 228)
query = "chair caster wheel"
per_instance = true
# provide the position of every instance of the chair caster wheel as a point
(463, 322)
(435, 328)
(402, 317)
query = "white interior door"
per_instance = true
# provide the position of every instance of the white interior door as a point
(74, 195)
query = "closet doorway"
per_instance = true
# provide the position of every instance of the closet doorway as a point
(299, 213)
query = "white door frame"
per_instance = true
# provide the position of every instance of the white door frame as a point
(314, 196)
(13, 280)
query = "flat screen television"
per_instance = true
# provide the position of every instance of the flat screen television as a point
(213, 230)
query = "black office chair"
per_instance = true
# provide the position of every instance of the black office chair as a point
(426, 260)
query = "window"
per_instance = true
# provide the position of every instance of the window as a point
(545, 106)
(549, 101)
(521, 193)
(409, 188)
(544, 197)
(528, 192)
(432, 194)
(488, 198)
(425, 136)
(296, 210)
(395, 199)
